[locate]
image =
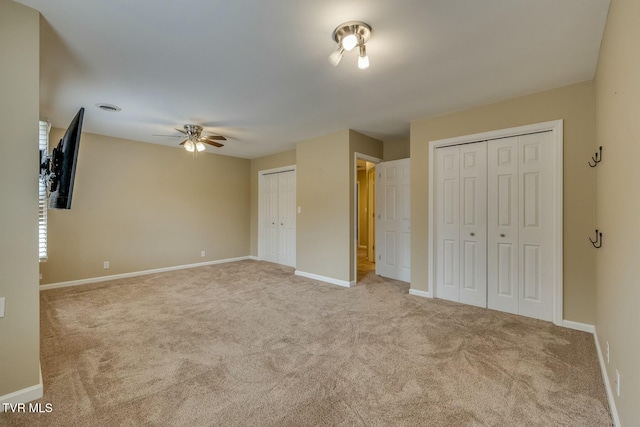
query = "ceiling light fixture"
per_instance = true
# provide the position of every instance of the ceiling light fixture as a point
(348, 36)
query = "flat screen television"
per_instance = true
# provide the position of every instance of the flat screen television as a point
(63, 162)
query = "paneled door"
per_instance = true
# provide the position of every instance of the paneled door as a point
(393, 222)
(521, 251)
(461, 217)
(287, 218)
(502, 228)
(447, 220)
(277, 217)
(494, 224)
(473, 220)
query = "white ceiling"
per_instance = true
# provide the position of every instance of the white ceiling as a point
(257, 72)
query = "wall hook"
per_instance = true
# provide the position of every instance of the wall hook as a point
(598, 242)
(597, 158)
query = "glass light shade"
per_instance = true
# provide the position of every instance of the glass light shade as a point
(363, 58)
(349, 42)
(189, 146)
(336, 56)
(199, 146)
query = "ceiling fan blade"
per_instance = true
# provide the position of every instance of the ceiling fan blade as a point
(182, 143)
(215, 137)
(181, 131)
(215, 144)
(170, 136)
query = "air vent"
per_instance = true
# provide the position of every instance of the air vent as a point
(108, 107)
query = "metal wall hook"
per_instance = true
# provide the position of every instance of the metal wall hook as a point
(598, 242)
(597, 158)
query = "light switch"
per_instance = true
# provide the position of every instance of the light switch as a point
(2, 307)
(299, 209)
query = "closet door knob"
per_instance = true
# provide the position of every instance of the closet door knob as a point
(501, 234)
(472, 233)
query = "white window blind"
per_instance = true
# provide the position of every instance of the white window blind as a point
(43, 143)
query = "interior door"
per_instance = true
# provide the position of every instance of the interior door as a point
(393, 222)
(536, 251)
(269, 222)
(447, 220)
(473, 224)
(287, 218)
(502, 228)
(277, 217)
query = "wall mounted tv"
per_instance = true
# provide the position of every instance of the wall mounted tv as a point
(60, 169)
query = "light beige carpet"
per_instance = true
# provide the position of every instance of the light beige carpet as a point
(250, 344)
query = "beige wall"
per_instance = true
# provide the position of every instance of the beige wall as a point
(618, 203)
(322, 191)
(19, 106)
(396, 149)
(144, 206)
(576, 105)
(286, 158)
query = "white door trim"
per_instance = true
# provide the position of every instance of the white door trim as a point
(366, 158)
(260, 207)
(556, 127)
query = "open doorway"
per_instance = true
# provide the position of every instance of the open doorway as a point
(364, 248)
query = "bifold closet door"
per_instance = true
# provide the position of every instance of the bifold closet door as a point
(520, 227)
(287, 218)
(473, 224)
(269, 210)
(461, 223)
(447, 220)
(502, 227)
(278, 217)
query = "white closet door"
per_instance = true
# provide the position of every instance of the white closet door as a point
(447, 220)
(277, 222)
(287, 218)
(393, 235)
(269, 237)
(536, 250)
(502, 226)
(473, 224)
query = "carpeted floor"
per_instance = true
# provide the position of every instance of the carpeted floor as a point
(250, 344)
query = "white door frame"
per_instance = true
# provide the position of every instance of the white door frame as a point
(556, 127)
(260, 175)
(366, 158)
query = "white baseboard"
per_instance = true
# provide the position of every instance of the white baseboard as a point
(607, 384)
(584, 327)
(25, 395)
(139, 273)
(423, 294)
(331, 280)
(253, 257)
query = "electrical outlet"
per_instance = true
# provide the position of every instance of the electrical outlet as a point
(2, 307)
(202, 253)
(617, 383)
(607, 352)
(105, 265)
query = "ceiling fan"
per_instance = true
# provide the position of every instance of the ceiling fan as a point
(194, 140)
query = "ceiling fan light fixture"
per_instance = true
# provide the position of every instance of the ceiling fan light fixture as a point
(188, 145)
(349, 35)
(199, 146)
